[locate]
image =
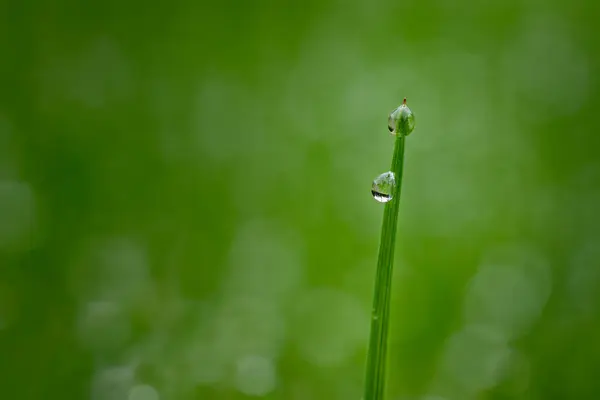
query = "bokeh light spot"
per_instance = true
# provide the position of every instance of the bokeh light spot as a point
(255, 375)
(143, 392)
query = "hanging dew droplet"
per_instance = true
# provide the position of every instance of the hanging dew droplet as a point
(383, 187)
(401, 121)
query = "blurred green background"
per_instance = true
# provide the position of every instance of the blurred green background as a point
(185, 209)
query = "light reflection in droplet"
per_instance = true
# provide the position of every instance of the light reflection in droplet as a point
(383, 187)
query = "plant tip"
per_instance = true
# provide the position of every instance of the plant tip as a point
(401, 121)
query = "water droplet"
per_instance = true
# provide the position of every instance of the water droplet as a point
(401, 121)
(383, 187)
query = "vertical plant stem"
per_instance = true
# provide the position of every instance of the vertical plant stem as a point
(380, 318)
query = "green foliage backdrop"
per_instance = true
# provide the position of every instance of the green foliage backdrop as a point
(185, 209)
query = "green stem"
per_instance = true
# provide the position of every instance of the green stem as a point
(380, 318)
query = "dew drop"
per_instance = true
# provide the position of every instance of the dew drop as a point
(401, 121)
(383, 187)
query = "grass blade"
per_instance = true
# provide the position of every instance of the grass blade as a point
(377, 353)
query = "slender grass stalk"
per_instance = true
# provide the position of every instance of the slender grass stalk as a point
(403, 123)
